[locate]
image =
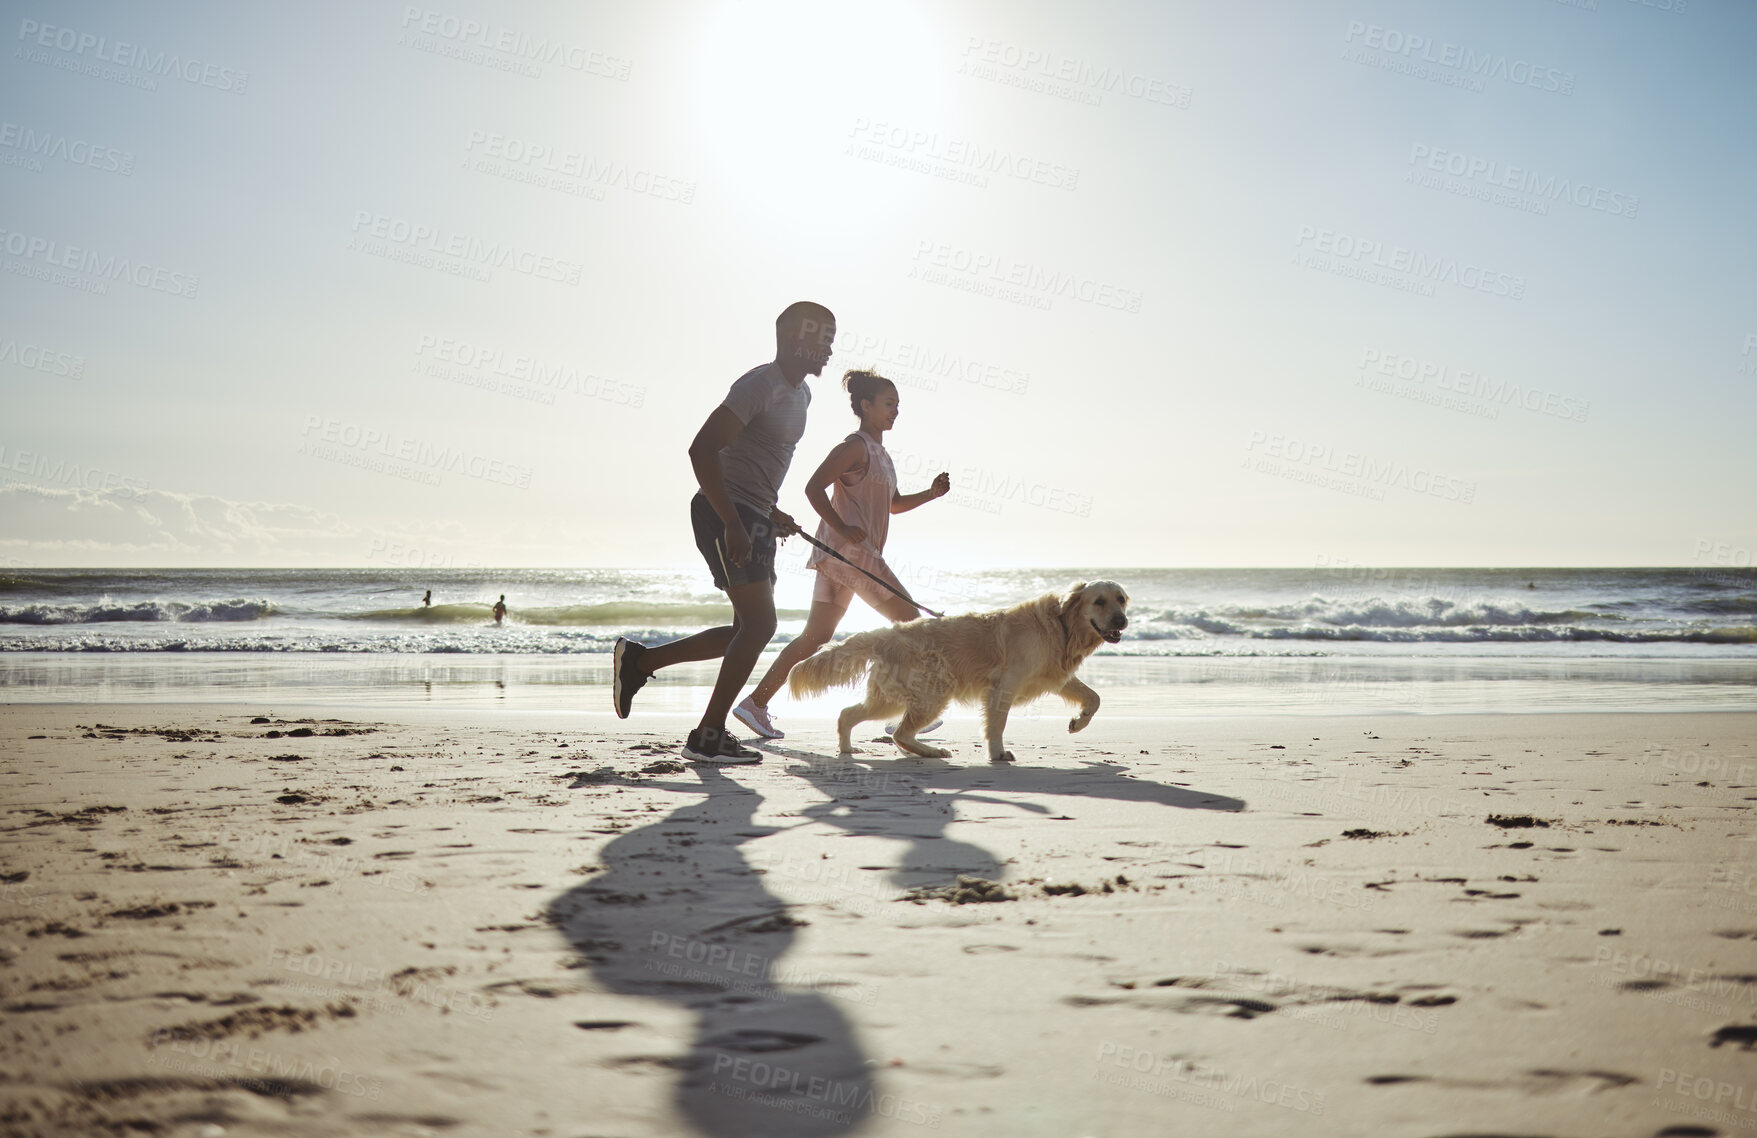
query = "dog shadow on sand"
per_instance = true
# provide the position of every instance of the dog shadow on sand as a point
(914, 799)
(680, 914)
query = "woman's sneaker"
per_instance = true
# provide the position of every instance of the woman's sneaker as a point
(757, 719)
(891, 728)
(713, 746)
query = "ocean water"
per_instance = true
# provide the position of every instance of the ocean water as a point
(1237, 639)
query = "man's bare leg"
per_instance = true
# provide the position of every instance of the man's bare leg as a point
(753, 608)
(708, 645)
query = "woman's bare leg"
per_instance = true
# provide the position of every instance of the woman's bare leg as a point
(819, 627)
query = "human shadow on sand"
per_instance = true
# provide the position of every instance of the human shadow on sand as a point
(680, 914)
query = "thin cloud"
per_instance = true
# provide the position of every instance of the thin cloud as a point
(44, 525)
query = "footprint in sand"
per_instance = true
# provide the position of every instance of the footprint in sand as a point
(761, 1040)
(958, 1070)
(252, 1023)
(1745, 1036)
(1539, 1081)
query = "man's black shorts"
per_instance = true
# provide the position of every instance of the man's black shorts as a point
(709, 535)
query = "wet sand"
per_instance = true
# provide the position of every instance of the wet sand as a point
(337, 922)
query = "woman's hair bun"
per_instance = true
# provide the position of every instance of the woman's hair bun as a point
(864, 385)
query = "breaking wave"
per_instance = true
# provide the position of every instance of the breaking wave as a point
(632, 614)
(1429, 620)
(106, 611)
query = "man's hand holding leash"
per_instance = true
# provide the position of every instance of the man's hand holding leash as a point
(784, 523)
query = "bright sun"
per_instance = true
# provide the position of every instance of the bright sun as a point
(780, 87)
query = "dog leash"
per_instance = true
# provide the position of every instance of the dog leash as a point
(858, 569)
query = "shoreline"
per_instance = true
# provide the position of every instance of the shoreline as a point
(1133, 686)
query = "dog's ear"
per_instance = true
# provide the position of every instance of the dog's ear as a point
(1073, 597)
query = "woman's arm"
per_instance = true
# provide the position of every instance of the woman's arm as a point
(840, 461)
(903, 503)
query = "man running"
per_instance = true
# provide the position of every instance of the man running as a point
(740, 456)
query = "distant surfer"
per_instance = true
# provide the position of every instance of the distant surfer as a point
(740, 456)
(500, 608)
(427, 601)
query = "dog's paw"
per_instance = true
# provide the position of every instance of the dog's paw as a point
(1003, 757)
(1078, 723)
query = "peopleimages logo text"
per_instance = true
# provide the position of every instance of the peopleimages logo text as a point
(430, 239)
(38, 358)
(414, 453)
(1030, 278)
(1482, 64)
(1396, 258)
(120, 53)
(78, 259)
(934, 364)
(1524, 181)
(79, 152)
(518, 45)
(1078, 73)
(16, 465)
(538, 158)
(1353, 464)
(963, 153)
(1473, 384)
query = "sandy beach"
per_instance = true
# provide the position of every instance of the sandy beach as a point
(224, 920)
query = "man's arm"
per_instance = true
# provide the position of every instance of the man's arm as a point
(719, 430)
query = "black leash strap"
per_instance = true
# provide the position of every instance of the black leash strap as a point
(858, 569)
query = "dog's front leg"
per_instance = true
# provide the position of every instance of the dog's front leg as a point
(1076, 692)
(999, 703)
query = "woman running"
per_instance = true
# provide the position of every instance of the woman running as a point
(855, 522)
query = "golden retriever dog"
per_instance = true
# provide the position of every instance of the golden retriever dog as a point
(995, 658)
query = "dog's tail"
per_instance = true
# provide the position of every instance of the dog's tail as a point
(840, 666)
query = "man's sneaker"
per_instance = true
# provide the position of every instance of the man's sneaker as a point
(712, 746)
(891, 728)
(627, 677)
(757, 719)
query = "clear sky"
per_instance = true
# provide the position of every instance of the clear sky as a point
(1161, 283)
